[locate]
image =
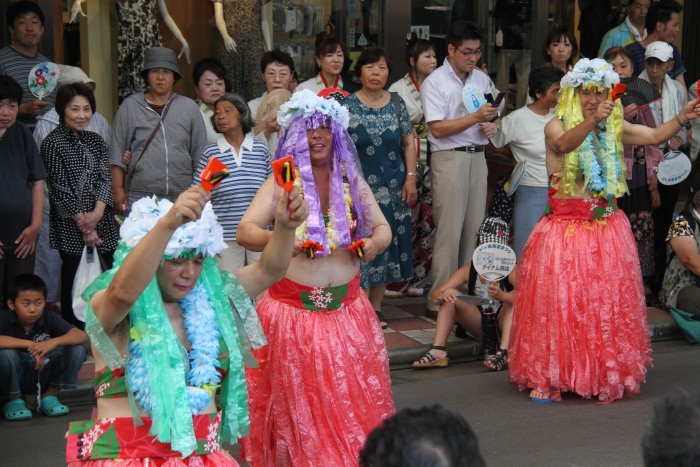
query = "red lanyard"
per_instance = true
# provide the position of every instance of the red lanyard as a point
(414, 82)
(335, 84)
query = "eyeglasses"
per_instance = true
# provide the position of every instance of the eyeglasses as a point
(470, 53)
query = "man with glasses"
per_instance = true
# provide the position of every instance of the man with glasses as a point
(662, 23)
(630, 30)
(457, 141)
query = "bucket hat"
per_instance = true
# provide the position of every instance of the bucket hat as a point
(160, 57)
(493, 230)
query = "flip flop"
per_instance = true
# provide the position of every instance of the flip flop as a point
(51, 407)
(542, 401)
(16, 410)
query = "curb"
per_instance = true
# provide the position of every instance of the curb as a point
(470, 350)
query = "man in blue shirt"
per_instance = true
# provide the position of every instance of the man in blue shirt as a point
(630, 30)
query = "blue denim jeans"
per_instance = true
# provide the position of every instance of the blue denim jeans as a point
(18, 374)
(530, 202)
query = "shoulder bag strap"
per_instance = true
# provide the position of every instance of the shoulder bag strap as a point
(130, 175)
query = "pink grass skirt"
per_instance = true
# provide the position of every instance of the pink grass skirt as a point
(580, 318)
(323, 382)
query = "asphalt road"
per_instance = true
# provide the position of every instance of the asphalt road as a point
(512, 431)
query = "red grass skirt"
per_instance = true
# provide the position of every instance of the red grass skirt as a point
(580, 318)
(323, 382)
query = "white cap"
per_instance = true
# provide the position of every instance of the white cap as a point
(660, 50)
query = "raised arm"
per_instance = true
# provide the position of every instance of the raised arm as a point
(251, 232)
(640, 135)
(291, 211)
(112, 305)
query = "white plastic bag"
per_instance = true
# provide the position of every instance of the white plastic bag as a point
(88, 270)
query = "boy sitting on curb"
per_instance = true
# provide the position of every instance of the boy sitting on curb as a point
(36, 347)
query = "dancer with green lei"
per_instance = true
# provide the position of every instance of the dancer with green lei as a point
(168, 328)
(579, 319)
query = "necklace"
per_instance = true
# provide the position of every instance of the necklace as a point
(203, 376)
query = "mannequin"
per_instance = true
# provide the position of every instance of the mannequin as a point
(239, 23)
(138, 31)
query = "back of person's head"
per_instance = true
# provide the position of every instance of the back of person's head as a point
(67, 92)
(461, 31)
(372, 55)
(425, 437)
(212, 65)
(10, 89)
(673, 436)
(24, 283)
(21, 8)
(661, 12)
(613, 52)
(415, 47)
(556, 34)
(276, 56)
(541, 79)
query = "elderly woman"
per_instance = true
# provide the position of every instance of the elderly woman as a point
(522, 132)
(164, 336)
(580, 319)
(164, 132)
(210, 81)
(330, 58)
(379, 127)
(248, 162)
(323, 382)
(80, 189)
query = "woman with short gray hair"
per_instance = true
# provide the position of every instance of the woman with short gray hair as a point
(248, 162)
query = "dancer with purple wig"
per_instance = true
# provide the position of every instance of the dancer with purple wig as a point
(323, 382)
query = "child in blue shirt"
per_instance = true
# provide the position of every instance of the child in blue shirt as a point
(36, 347)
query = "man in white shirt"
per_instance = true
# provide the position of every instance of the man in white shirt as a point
(458, 165)
(630, 30)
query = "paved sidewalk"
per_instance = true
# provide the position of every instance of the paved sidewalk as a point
(410, 332)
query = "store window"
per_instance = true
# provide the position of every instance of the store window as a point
(296, 24)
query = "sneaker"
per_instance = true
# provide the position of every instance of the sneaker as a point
(415, 292)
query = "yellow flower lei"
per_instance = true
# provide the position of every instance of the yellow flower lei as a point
(302, 232)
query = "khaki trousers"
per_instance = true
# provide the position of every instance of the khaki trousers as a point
(459, 181)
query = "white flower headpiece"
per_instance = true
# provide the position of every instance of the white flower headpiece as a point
(305, 104)
(205, 236)
(591, 72)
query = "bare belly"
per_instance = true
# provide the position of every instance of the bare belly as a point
(120, 407)
(335, 269)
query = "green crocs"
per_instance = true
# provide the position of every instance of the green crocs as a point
(51, 407)
(16, 410)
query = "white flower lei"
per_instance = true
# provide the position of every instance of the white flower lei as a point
(203, 376)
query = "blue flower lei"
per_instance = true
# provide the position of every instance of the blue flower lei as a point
(203, 376)
(590, 165)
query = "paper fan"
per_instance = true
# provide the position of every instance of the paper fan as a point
(43, 79)
(639, 91)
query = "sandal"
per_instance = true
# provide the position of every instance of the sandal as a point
(428, 360)
(16, 410)
(498, 361)
(51, 407)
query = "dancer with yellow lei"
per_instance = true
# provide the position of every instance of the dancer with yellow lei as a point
(323, 382)
(579, 319)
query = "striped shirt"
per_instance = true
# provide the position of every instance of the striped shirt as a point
(247, 171)
(18, 66)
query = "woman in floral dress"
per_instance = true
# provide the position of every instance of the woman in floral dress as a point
(378, 136)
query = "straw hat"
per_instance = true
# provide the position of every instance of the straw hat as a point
(72, 74)
(270, 105)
